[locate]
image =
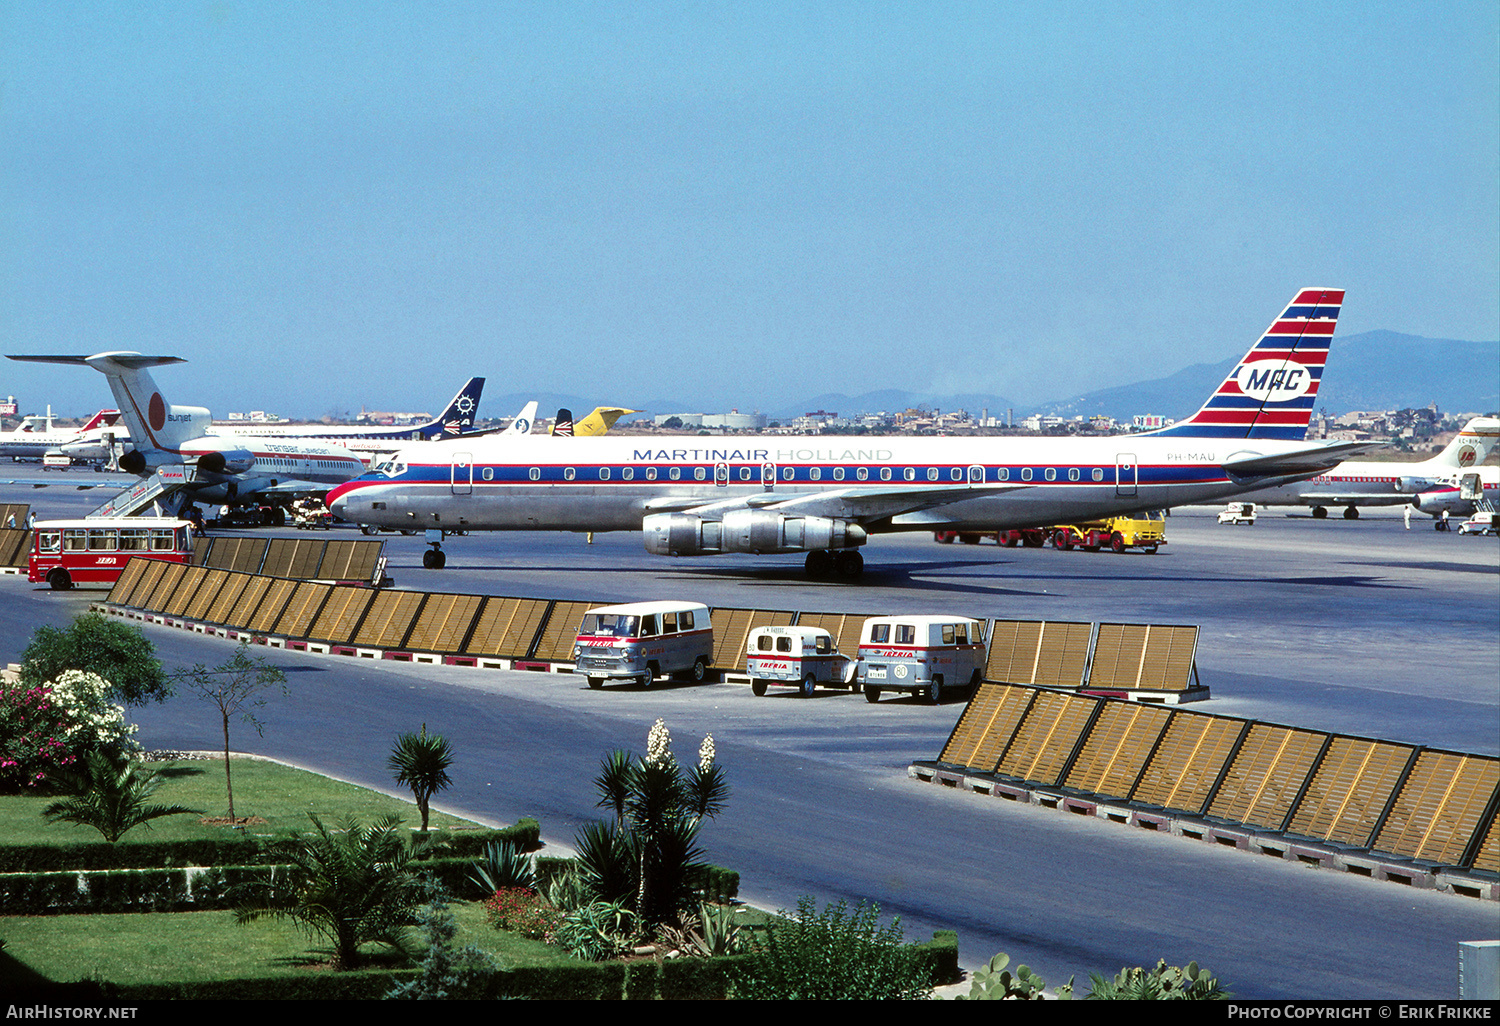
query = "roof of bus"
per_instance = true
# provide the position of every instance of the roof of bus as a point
(647, 608)
(103, 522)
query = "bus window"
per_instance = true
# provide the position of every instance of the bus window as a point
(49, 541)
(162, 540)
(102, 540)
(73, 539)
(133, 539)
(906, 634)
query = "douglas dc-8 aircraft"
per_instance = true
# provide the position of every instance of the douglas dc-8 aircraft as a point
(825, 495)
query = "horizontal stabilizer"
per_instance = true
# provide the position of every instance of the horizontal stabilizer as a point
(134, 361)
(1307, 463)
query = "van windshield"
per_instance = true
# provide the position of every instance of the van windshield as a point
(609, 624)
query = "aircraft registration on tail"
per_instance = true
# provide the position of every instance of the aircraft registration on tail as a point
(824, 496)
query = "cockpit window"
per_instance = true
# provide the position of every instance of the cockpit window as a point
(390, 468)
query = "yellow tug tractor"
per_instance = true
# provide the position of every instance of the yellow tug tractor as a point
(1144, 532)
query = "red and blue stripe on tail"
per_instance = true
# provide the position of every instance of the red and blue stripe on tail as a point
(1272, 392)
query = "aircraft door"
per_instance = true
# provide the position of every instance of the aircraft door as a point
(463, 473)
(768, 476)
(1125, 474)
(721, 474)
(1469, 488)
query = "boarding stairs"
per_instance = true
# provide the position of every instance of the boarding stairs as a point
(164, 493)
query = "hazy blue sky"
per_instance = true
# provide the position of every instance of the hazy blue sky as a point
(323, 205)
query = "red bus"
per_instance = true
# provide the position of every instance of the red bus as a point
(65, 552)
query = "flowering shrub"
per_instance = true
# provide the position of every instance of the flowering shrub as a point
(49, 726)
(521, 910)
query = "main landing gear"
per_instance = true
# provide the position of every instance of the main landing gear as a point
(845, 563)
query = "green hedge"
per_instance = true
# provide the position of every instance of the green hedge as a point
(229, 850)
(677, 979)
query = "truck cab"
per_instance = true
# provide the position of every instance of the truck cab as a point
(919, 654)
(643, 641)
(796, 657)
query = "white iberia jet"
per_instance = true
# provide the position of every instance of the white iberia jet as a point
(1357, 483)
(825, 495)
(35, 437)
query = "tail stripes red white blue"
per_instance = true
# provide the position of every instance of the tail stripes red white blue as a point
(1272, 392)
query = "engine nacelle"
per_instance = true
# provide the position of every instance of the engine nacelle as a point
(747, 530)
(1435, 501)
(219, 458)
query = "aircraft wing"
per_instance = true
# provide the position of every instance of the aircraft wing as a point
(1294, 465)
(859, 504)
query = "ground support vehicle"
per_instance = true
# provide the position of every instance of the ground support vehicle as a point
(1031, 537)
(1482, 522)
(1239, 513)
(1145, 532)
(920, 654)
(311, 515)
(641, 641)
(95, 551)
(796, 657)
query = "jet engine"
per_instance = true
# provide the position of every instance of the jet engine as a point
(747, 530)
(213, 458)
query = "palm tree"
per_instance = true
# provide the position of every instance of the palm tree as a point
(353, 885)
(110, 796)
(421, 762)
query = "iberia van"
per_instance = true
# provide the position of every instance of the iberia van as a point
(919, 654)
(642, 641)
(799, 657)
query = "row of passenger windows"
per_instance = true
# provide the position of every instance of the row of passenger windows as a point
(975, 474)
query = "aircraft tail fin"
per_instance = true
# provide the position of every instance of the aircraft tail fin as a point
(1272, 391)
(522, 424)
(563, 425)
(154, 424)
(461, 411)
(1471, 446)
(601, 420)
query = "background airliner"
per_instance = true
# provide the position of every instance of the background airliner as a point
(825, 495)
(1357, 483)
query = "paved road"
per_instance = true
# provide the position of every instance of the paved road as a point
(1355, 626)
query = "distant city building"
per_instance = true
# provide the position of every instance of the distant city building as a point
(1148, 421)
(734, 420)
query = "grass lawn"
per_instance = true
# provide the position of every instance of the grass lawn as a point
(280, 795)
(203, 946)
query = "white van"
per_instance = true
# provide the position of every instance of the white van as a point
(920, 654)
(642, 641)
(798, 657)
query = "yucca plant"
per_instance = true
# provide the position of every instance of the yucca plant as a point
(504, 865)
(421, 761)
(112, 796)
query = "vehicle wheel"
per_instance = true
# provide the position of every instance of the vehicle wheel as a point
(850, 564)
(369, 529)
(1010, 540)
(943, 537)
(60, 580)
(1117, 542)
(699, 671)
(1149, 550)
(809, 685)
(935, 693)
(646, 679)
(408, 533)
(1319, 512)
(757, 687)
(1352, 513)
(596, 683)
(819, 563)
(872, 695)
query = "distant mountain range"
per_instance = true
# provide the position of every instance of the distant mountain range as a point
(1376, 370)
